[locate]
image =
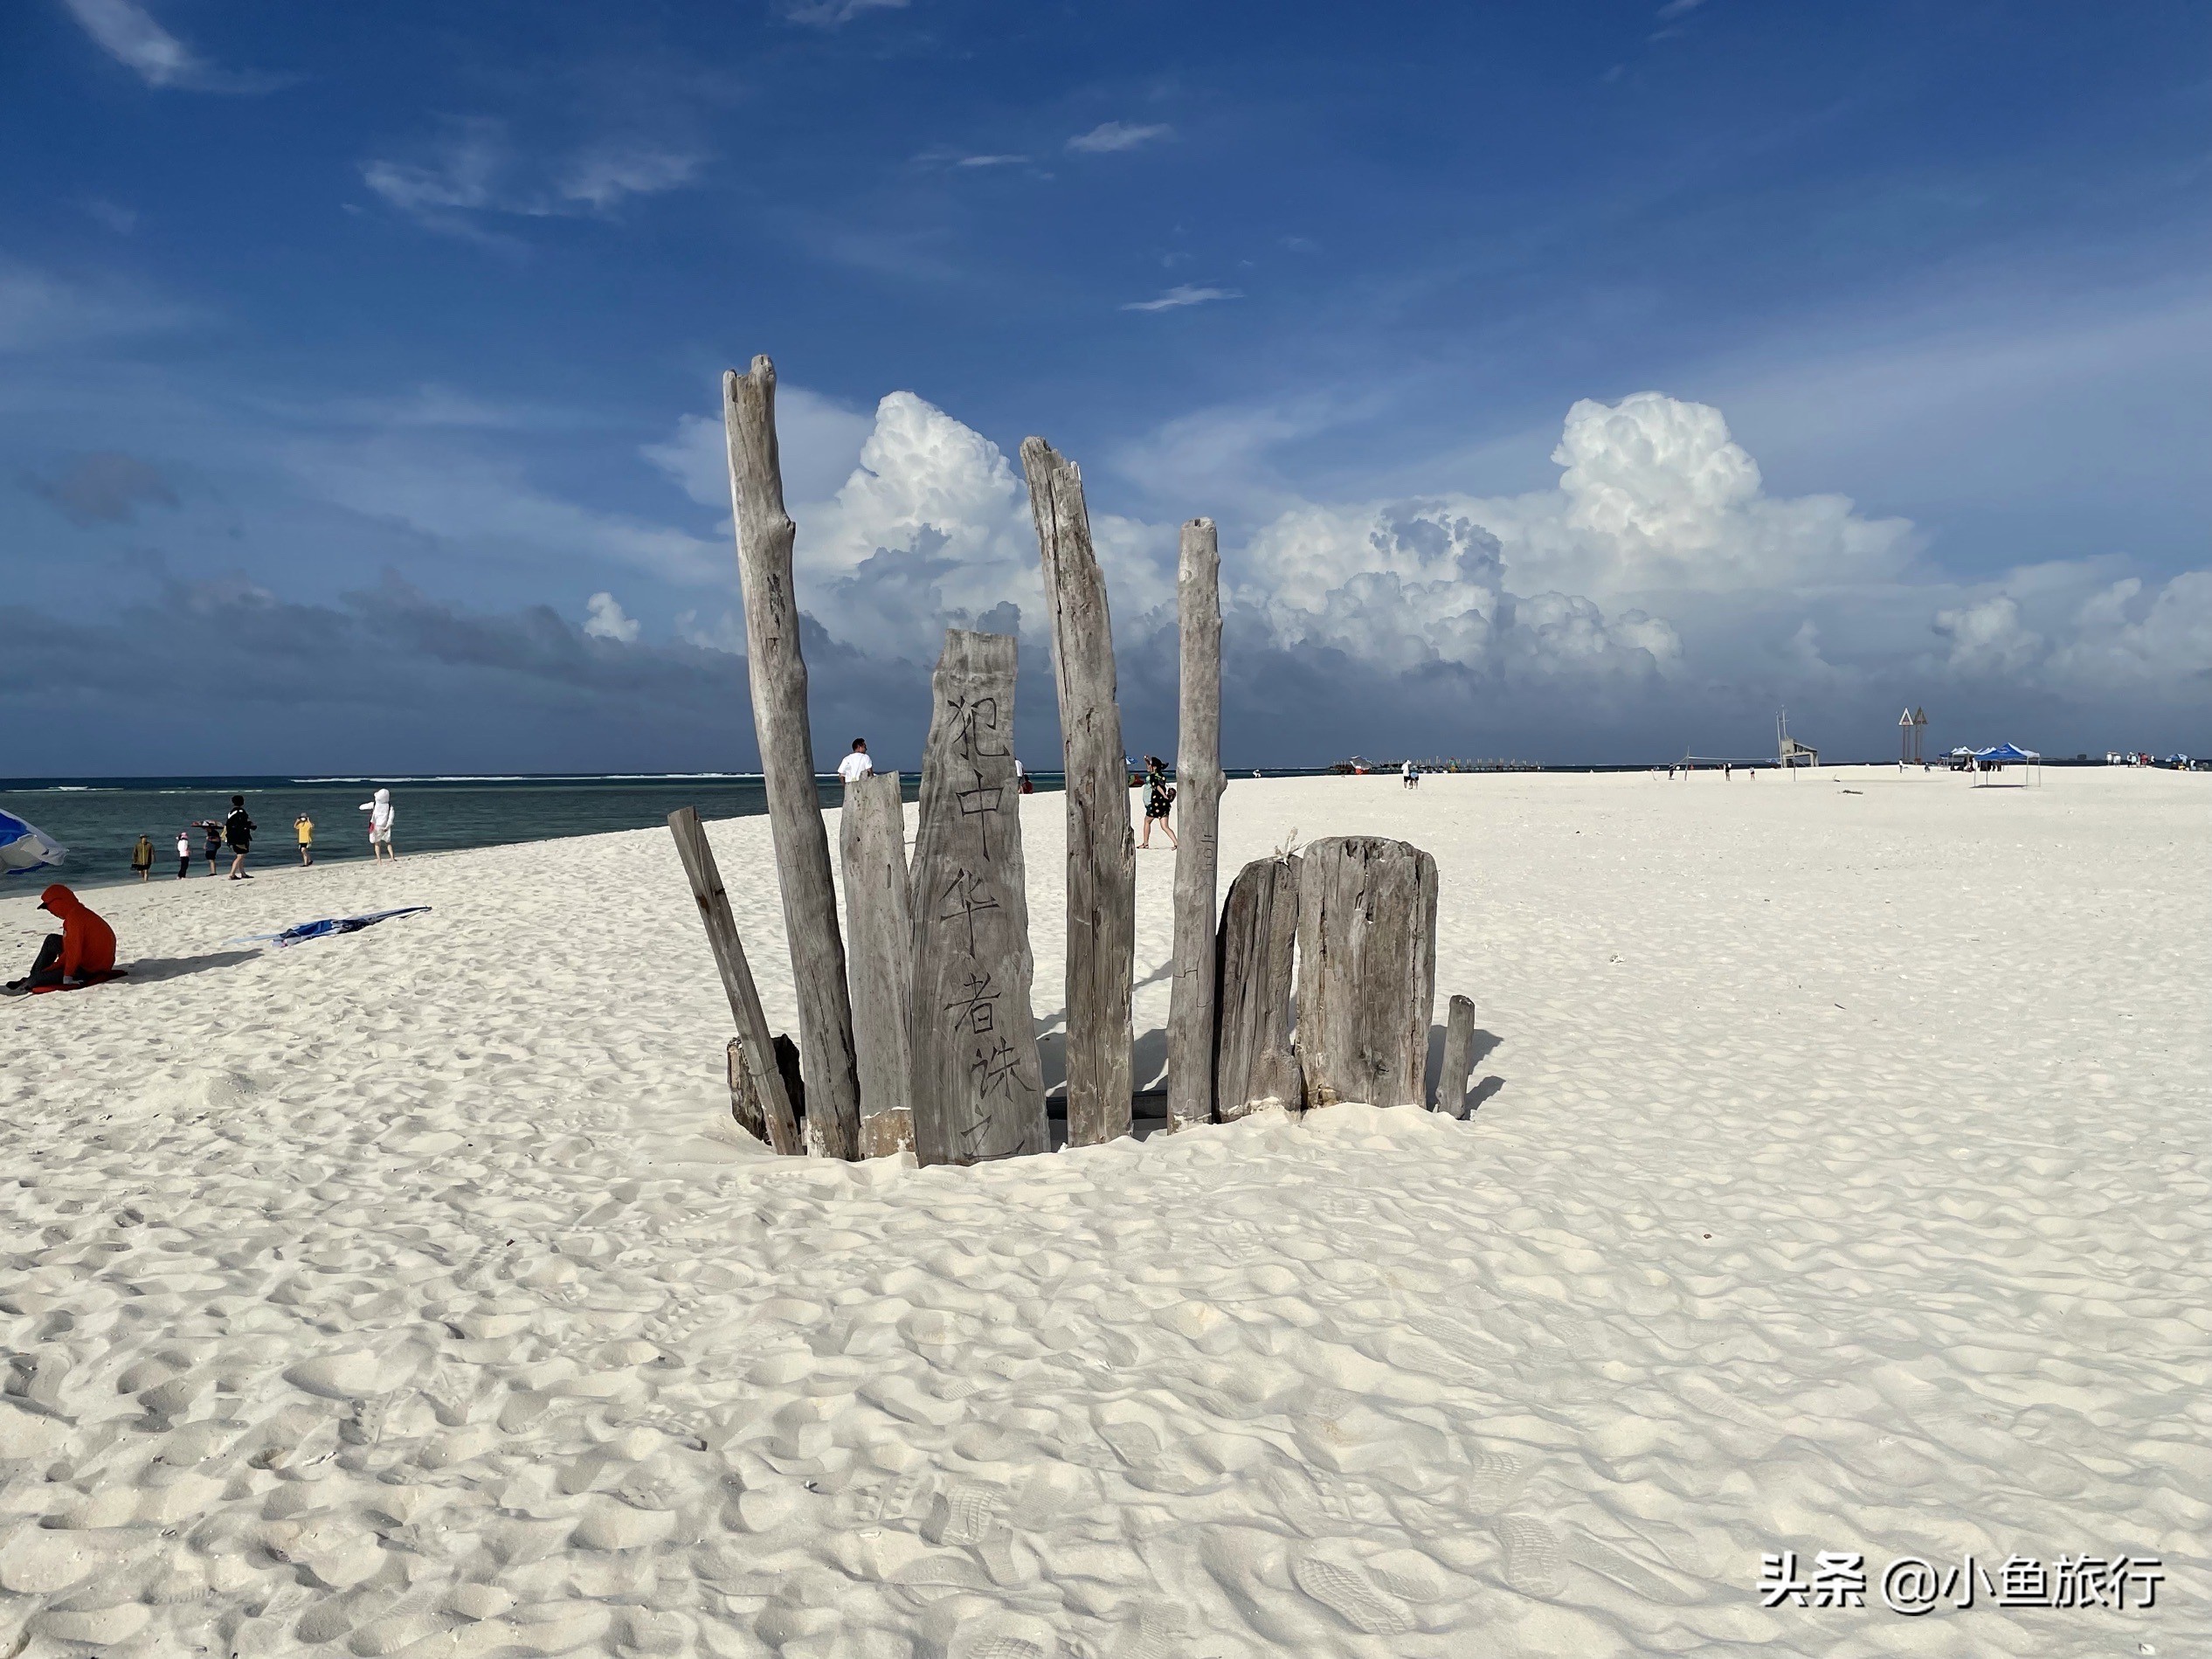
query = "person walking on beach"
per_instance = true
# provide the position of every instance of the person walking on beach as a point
(380, 819)
(141, 858)
(1159, 798)
(212, 829)
(237, 830)
(184, 851)
(856, 765)
(303, 826)
(1409, 776)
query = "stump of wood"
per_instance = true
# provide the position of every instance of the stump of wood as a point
(1459, 1058)
(746, 1104)
(1193, 999)
(778, 673)
(1254, 953)
(878, 925)
(977, 1090)
(1102, 848)
(1367, 970)
(780, 1126)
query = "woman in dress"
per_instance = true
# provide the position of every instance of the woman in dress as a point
(1159, 797)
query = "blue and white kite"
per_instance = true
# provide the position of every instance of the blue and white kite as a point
(25, 847)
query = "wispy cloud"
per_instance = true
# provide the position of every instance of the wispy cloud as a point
(130, 34)
(832, 14)
(1182, 295)
(942, 156)
(1117, 135)
(1674, 8)
(39, 311)
(604, 177)
(475, 170)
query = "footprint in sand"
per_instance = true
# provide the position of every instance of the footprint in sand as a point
(1533, 1563)
(1351, 1595)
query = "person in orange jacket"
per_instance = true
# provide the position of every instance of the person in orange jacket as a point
(82, 952)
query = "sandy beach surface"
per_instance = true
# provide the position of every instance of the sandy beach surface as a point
(1839, 1183)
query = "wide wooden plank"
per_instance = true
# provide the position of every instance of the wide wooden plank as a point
(977, 1090)
(1367, 970)
(1254, 953)
(878, 925)
(1102, 848)
(713, 900)
(1459, 1058)
(778, 678)
(1192, 999)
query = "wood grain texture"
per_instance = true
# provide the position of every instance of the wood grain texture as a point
(779, 677)
(977, 1090)
(1255, 953)
(1102, 848)
(1367, 970)
(878, 926)
(1192, 999)
(779, 1121)
(1459, 1058)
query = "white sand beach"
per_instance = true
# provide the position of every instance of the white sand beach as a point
(1839, 1183)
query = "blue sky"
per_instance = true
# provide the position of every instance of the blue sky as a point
(1576, 381)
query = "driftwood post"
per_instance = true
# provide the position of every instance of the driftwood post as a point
(1367, 970)
(778, 675)
(1459, 1058)
(1102, 849)
(782, 1126)
(879, 922)
(977, 1090)
(1257, 948)
(1198, 799)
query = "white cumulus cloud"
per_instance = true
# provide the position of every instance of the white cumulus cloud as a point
(604, 619)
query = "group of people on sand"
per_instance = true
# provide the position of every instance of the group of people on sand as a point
(235, 833)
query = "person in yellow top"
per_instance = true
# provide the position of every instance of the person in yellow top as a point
(303, 826)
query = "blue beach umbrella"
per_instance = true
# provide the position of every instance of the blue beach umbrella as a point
(25, 846)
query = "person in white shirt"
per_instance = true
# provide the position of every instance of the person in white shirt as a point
(856, 765)
(380, 821)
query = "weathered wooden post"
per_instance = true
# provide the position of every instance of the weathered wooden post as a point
(780, 1123)
(879, 919)
(1198, 800)
(977, 1090)
(779, 677)
(1102, 849)
(1367, 970)
(1459, 1058)
(1257, 948)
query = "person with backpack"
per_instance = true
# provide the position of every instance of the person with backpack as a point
(237, 830)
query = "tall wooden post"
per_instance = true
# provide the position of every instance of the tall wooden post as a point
(759, 1056)
(977, 1090)
(1102, 848)
(1367, 970)
(1257, 949)
(779, 674)
(1198, 803)
(880, 921)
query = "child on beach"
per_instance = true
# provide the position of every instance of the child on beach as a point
(141, 858)
(184, 851)
(213, 831)
(303, 826)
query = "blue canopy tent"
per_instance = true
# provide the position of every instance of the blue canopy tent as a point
(1989, 762)
(25, 847)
